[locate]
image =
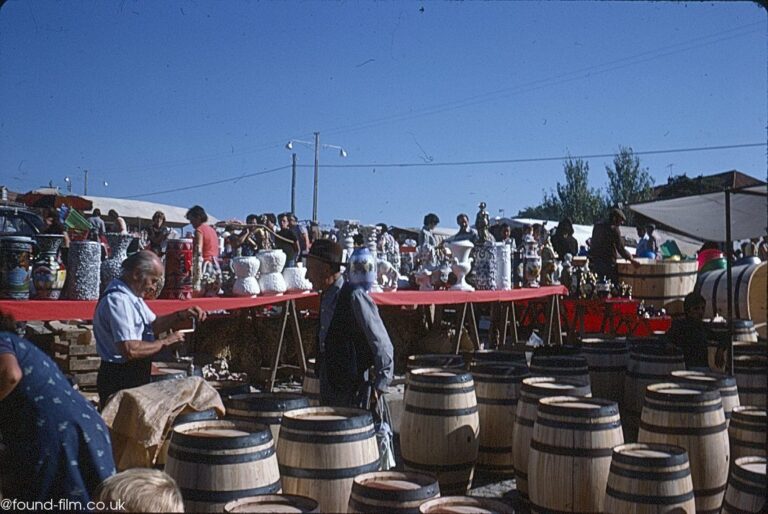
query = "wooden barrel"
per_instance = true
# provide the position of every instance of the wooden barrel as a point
(310, 386)
(497, 387)
(648, 364)
(186, 416)
(747, 486)
(658, 283)
(751, 373)
(498, 356)
(440, 426)
(749, 298)
(532, 390)
(607, 361)
(465, 504)
(435, 360)
(649, 478)
(273, 503)
(571, 448)
(758, 348)
(560, 366)
(265, 408)
(729, 394)
(230, 387)
(691, 416)
(216, 462)
(322, 449)
(392, 491)
(167, 371)
(744, 330)
(748, 432)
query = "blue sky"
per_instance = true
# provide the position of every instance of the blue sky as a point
(157, 96)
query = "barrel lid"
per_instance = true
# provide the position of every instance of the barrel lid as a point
(428, 360)
(273, 503)
(675, 392)
(438, 376)
(327, 419)
(749, 413)
(704, 377)
(220, 434)
(551, 386)
(595, 345)
(497, 368)
(559, 361)
(654, 350)
(573, 406)
(266, 401)
(753, 464)
(650, 455)
(498, 355)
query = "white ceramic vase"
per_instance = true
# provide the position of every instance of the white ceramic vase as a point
(461, 264)
(271, 281)
(245, 269)
(503, 266)
(295, 279)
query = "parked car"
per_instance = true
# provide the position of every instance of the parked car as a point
(19, 221)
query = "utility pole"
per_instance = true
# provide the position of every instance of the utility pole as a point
(85, 182)
(293, 184)
(317, 171)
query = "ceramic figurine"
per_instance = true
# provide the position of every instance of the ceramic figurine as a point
(548, 261)
(462, 263)
(271, 281)
(112, 267)
(387, 275)
(424, 280)
(441, 276)
(48, 273)
(246, 269)
(295, 279)
(482, 221)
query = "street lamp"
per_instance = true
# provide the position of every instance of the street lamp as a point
(69, 184)
(289, 146)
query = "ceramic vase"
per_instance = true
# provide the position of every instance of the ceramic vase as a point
(462, 263)
(83, 270)
(271, 281)
(178, 270)
(361, 268)
(112, 267)
(532, 270)
(15, 260)
(503, 266)
(295, 279)
(48, 273)
(245, 269)
(485, 267)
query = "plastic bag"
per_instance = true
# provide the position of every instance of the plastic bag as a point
(383, 428)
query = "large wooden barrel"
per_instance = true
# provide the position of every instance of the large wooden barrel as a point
(560, 366)
(748, 432)
(497, 387)
(439, 430)
(322, 449)
(218, 461)
(310, 386)
(746, 487)
(573, 440)
(744, 330)
(658, 283)
(691, 416)
(749, 298)
(466, 504)
(273, 503)
(229, 387)
(648, 364)
(265, 408)
(531, 391)
(436, 360)
(479, 356)
(392, 491)
(729, 394)
(607, 361)
(649, 478)
(751, 373)
(185, 416)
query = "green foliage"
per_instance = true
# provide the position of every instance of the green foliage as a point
(547, 210)
(627, 182)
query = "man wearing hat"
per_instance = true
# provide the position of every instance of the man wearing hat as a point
(351, 338)
(606, 245)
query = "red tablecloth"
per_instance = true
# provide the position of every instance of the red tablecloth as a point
(622, 313)
(68, 309)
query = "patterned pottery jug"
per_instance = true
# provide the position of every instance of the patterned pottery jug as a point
(83, 270)
(15, 260)
(112, 267)
(48, 273)
(245, 269)
(178, 270)
(361, 269)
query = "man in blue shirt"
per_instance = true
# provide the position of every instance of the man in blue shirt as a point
(125, 327)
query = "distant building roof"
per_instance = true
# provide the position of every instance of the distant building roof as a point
(732, 179)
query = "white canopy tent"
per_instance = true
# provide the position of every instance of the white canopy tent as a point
(137, 212)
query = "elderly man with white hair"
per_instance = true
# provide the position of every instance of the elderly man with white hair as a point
(125, 327)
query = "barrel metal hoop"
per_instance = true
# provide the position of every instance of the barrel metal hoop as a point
(457, 377)
(312, 437)
(571, 452)
(604, 408)
(495, 449)
(328, 474)
(661, 275)
(218, 459)
(683, 430)
(656, 476)
(221, 443)
(500, 379)
(438, 467)
(607, 369)
(677, 456)
(748, 477)
(359, 421)
(197, 495)
(439, 390)
(738, 314)
(356, 505)
(757, 445)
(582, 427)
(441, 412)
(649, 499)
(525, 422)
(243, 416)
(424, 492)
(520, 473)
(710, 492)
(496, 401)
(652, 404)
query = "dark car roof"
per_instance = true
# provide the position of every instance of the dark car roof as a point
(19, 221)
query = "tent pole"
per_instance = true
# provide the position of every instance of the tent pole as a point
(729, 278)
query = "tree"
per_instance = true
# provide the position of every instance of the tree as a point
(627, 182)
(575, 198)
(549, 209)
